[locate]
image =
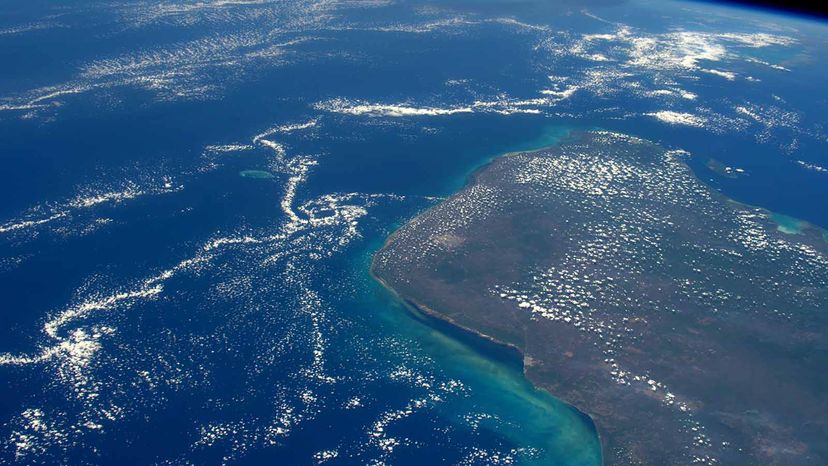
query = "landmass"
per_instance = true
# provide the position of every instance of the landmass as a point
(687, 326)
(259, 174)
(721, 169)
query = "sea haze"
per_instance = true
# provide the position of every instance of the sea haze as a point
(193, 193)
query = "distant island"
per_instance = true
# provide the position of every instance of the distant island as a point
(691, 328)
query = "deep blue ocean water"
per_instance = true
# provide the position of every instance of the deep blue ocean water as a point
(160, 308)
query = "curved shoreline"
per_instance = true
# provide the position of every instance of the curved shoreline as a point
(616, 434)
(414, 307)
(411, 305)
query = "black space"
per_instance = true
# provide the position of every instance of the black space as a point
(817, 8)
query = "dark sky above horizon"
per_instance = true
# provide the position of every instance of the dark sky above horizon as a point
(805, 7)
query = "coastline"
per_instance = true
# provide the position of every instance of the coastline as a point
(811, 232)
(414, 307)
(434, 316)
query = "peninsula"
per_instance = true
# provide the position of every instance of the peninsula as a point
(689, 327)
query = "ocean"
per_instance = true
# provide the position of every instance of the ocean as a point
(193, 192)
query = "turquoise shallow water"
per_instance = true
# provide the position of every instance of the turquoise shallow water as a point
(544, 136)
(788, 224)
(161, 308)
(525, 415)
